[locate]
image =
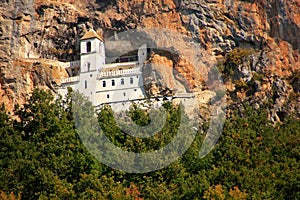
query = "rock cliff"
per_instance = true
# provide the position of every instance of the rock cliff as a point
(33, 33)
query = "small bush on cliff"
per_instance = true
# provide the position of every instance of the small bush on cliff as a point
(240, 84)
(233, 59)
(237, 56)
(258, 76)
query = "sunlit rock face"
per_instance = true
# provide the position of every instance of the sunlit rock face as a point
(34, 32)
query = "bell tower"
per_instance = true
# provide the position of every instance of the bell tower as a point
(92, 52)
(92, 59)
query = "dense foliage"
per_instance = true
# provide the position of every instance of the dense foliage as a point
(42, 157)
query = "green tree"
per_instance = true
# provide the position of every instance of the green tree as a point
(42, 156)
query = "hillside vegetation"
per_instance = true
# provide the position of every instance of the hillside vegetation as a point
(42, 157)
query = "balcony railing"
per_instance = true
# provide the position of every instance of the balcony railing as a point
(70, 79)
(118, 73)
(71, 64)
(125, 64)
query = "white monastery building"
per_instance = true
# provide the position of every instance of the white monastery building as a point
(115, 84)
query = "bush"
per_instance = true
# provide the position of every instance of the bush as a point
(235, 58)
(239, 84)
(258, 77)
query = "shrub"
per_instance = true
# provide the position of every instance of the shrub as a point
(239, 84)
(235, 58)
(257, 77)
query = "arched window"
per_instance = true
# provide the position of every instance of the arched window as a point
(113, 82)
(88, 47)
(122, 81)
(131, 80)
(103, 83)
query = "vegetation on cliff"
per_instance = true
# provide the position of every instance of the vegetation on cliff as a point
(42, 157)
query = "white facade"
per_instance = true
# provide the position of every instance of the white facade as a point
(114, 84)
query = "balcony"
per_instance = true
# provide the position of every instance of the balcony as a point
(119, 72)
(70, 80)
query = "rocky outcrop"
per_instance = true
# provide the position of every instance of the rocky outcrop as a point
(254, 85)
(19, 78)
(168, 74)
(51, 30)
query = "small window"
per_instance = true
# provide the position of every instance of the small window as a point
(135, 90)
(107, 96)
(91, 75)
(103, 83)
(131, 80)
(88, 66)
(88, 47)
(137, 76)
(85, 84)
(122, 81)
(124, 94)
(113, 82)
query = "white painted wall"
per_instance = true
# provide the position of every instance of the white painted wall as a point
(142, 54)
(119, 92)
(63, 90)
(137, 81)
(87, 85)
(120, 95)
